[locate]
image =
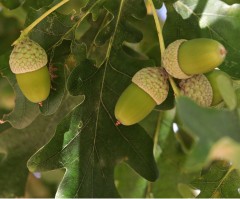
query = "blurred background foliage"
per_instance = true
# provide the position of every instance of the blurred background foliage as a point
(176, 144)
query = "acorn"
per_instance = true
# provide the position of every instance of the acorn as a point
(28, 61)
(185, 58)
(203, 88)
(149, 88)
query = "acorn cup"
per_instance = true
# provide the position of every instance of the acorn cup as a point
(185, 58)
(149, 88)
(204, 88)
(28, 61)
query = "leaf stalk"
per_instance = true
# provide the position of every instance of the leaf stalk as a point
(26, 31)
(162, 44)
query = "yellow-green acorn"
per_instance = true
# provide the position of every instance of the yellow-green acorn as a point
(203, 88)
(185, 58)
(149, 88)
(28, 61)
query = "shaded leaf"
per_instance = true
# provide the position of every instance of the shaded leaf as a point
(219, 180)
(129, 184)
(9, 31)
(52, 31)
(52, 103)
(89, 133)
(7, 96)
(94, 51)
(158, 3)
(23, 113)
(230, 2)
(171, 166)
(206, 126)
(11, 4)
(16, 146)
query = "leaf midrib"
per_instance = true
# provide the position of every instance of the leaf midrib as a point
(222, 181)
(109, 50)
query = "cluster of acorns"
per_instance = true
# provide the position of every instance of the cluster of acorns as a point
(191, 62)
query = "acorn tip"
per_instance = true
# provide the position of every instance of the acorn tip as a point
(2, 122)
(117, 123)
(223, 51)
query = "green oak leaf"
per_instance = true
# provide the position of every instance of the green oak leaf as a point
(94, 51)
(16, 147)
(170, 162)
(50, 32)
(129, 184)
(206, 126)
(96, 145)
(24, 112)
(52, 103)
(219, 180)
(9, 32)
(158, 3)
(11, 4)
(100, 151)
(37, 4)
(230, 2)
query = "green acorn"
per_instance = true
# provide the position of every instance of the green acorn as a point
(149, 88)
(28, 61)
(203, 88)
(183, 59)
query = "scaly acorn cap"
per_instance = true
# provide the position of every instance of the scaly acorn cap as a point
(27, 56)
(153, 80)
(170, 60)
(198, 88)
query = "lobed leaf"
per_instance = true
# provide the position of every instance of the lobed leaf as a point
(206, 126)
(219, 180)
(16, 146)
(87, 142)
